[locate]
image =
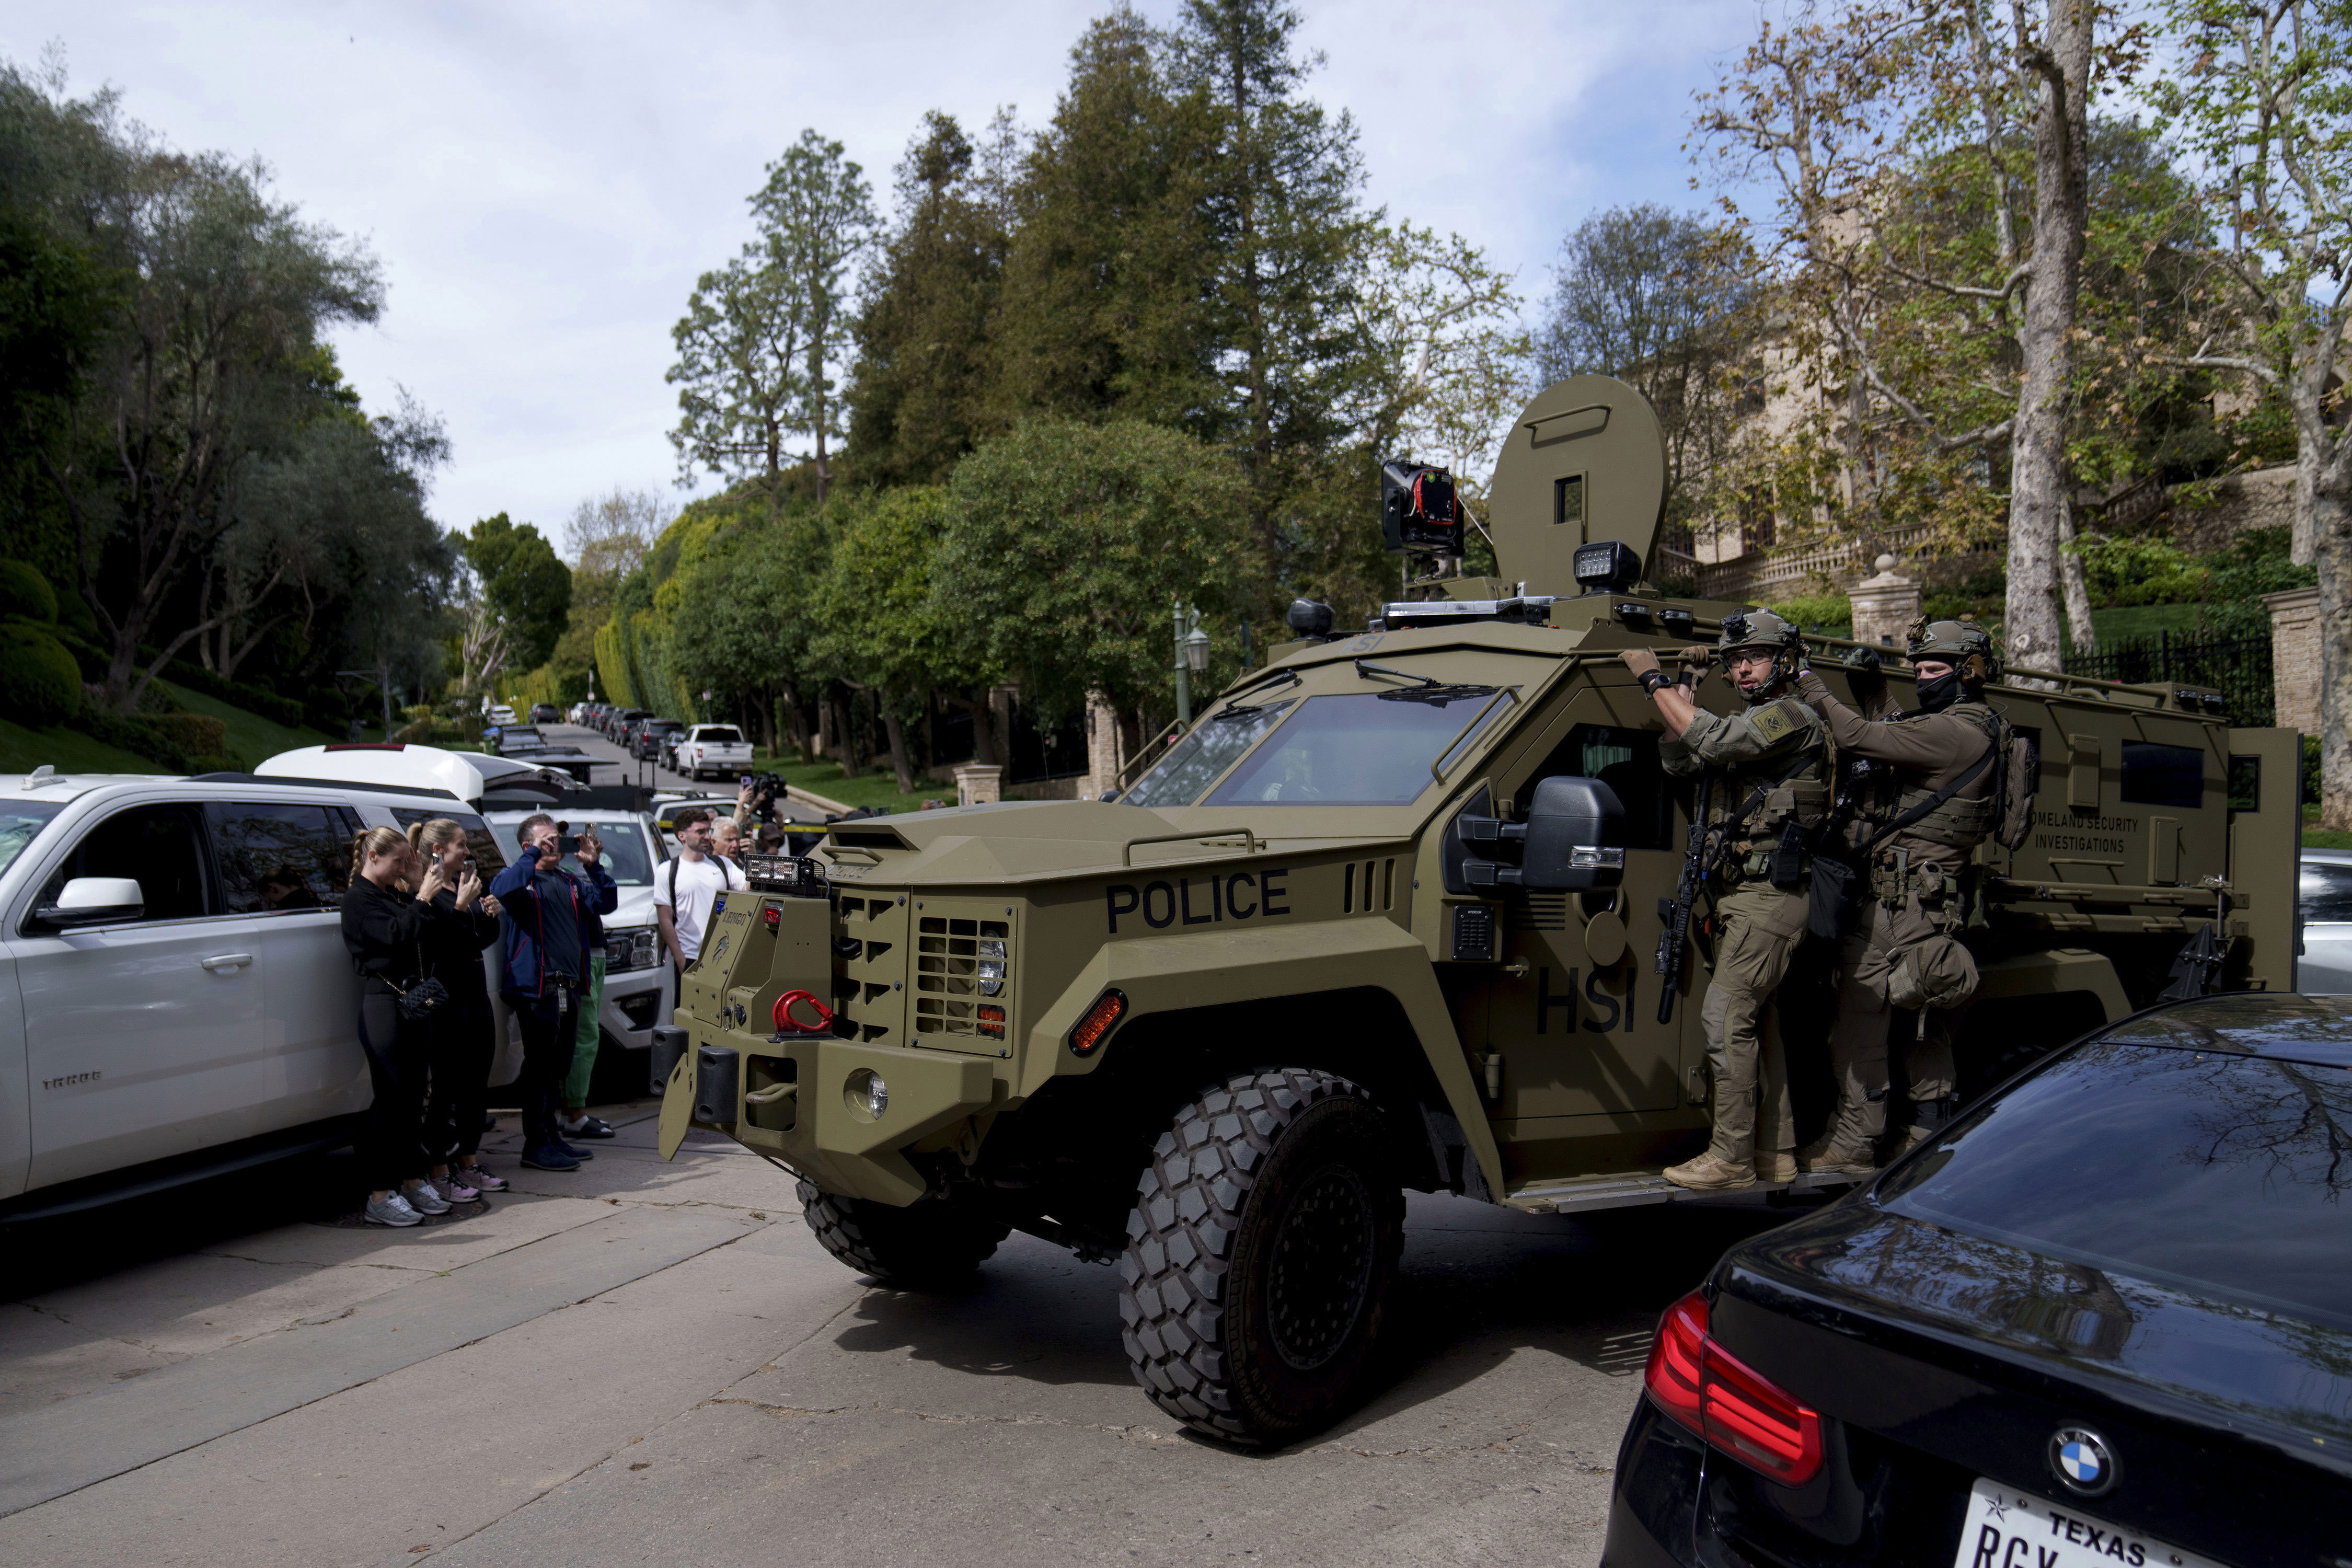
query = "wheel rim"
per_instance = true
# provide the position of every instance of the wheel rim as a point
(1321, 1267)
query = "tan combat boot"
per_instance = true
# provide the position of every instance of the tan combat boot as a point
(1824, 1156)
(1711, 1172)
(1776, 1165)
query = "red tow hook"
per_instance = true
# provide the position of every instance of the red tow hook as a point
(787, 1024)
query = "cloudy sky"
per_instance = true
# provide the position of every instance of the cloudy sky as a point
(542, 182)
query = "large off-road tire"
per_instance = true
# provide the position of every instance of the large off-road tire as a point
(1259, 1256)
(922, 1246)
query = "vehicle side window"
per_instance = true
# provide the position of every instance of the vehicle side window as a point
(480, 843)
(2324, 888)
(279, 855)
(161, 847)
(1627, 761)
(2163, 775)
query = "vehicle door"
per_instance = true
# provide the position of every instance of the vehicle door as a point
(2324, 894)
(1571, 1006)
(283, 867)
(21, 822)
(144, 1038)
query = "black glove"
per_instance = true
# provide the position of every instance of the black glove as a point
(1862, 659)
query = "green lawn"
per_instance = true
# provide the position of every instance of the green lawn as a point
(65, 748)
(251, 738)
(2320, 837)
(875, 787)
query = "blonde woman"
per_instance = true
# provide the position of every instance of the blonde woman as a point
(462, 1034)
(386, 912)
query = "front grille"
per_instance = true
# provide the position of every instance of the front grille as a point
(962, 986)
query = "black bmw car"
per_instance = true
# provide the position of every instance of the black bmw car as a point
(2105, 1319)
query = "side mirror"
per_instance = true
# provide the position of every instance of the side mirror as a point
(93, 901)
(1576, 837)
(1572, 841)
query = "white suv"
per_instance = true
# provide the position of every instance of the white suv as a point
(176, 997)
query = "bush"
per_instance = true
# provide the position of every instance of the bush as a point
(179, 742)
(26, 594)
(1816, 612)
(40, 681)
(2118, 571)
(2258, 562)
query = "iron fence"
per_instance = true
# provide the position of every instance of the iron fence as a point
(2239, 668)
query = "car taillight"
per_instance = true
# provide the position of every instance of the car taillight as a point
(1736, 1409)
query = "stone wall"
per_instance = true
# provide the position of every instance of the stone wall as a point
(2262, 499)
(2294, 659)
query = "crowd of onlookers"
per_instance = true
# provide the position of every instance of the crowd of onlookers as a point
(418, 919)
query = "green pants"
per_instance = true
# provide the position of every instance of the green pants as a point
(1858, 1043)
(583, 1045)
(1761, 928)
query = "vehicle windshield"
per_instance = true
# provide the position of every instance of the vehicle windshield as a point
(21, 822)
(627, 858)
(1372, 748)
(2210, 1172)
(1193, 762)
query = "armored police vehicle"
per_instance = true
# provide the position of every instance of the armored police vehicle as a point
(1388, 917)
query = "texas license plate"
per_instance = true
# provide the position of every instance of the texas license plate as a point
(2007, 1529)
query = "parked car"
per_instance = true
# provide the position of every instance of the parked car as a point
(645, 738)
(616, 723)
(185, 1003)
(717, 750)
(2105, 1316)
(500, 715)
(640, 984)
(2324, 900)
(546, 713)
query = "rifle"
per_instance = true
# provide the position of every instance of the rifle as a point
(1675, 940)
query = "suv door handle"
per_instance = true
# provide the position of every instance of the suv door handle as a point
(226, 961)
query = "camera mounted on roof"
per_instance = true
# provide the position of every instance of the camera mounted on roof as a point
(1420, 513)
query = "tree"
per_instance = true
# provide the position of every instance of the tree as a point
(918, 397)
(522, 586)
(205, 365)
(1660, 299)
(2266, 99)
(607, 538)
(1921, 350)
(762, 337)
(880, 624)
(753, 620)
(1106, 307)
(1068, 545)
(1285, 193)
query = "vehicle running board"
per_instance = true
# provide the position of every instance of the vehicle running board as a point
(1630, 1192)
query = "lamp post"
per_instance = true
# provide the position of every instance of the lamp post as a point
(1192, 655)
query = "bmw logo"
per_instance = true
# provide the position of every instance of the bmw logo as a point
(2081, 1457)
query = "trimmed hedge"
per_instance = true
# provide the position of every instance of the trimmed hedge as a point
(40, 681)
(177, 742)
(277, 710)
(24, 592)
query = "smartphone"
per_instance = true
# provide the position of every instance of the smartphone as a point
(469, 865)
(567, 843)
(745, 779)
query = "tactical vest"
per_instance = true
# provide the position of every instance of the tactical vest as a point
(1960, 823)
(1796, 785)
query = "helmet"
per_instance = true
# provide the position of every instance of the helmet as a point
(1964, 644)
(1748, 629)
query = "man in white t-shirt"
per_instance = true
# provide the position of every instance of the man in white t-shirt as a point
(685, 888)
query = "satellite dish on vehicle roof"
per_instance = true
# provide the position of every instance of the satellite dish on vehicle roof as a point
(1585, 462)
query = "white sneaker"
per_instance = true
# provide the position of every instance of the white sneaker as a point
(425, 1200)
(389, 1209)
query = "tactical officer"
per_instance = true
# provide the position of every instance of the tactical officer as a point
(1766, 787)
(1934, 801)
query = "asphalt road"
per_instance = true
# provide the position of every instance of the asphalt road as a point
(591, 743)
(647, 1362)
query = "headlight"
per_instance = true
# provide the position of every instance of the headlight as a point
(991, 966)
(637, 947)
(867, 1095)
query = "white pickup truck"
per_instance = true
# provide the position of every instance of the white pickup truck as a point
(715, 749)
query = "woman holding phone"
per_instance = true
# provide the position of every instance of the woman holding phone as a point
(464, 1036)
(386, 912)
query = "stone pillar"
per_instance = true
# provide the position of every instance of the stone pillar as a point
(979, 783)
(1103, 758)
(1884, 606)
(2294, 659)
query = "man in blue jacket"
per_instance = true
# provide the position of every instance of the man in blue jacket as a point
(547, 922)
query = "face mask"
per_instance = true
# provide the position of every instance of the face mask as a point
(1939, 692)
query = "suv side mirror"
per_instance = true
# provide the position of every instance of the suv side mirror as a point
(1572, 841)
(93, 901)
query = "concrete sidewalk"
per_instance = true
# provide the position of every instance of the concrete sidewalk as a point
(644, 1362)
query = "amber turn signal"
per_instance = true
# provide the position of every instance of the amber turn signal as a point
(1107, 1010)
